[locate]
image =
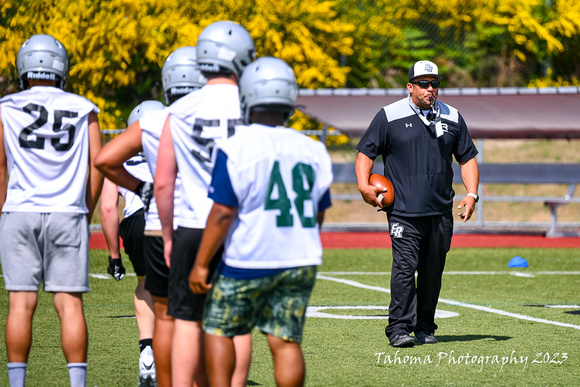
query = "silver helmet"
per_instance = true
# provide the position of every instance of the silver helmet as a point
(268, 82)
(225, 45)
(180, 74)
(42, 57)
(142, 108)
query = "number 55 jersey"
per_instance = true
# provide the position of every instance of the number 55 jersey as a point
(278, 179)
(46, 137)
(197, 121)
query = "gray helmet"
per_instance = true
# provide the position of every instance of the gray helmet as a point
(268, 82)
(42, 57)
(225, 45)
(142, 108)
(180, 74)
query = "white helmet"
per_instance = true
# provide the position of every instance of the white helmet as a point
(268, 82)
(225, 45)
(180, 74)
(42, 57)
(142, 108)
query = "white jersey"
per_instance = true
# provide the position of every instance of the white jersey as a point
(136, 166)
(198, 120)
(151, 127)
(46, 135)
(279, 177)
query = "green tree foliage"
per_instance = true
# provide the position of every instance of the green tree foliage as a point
(117, 47)
(483, 43)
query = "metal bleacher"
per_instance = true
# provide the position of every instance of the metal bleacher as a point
(491, 173)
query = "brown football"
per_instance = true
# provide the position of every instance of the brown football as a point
(387, 197)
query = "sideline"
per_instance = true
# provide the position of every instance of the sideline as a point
(357, 240)
(381, 240)
(456, 303)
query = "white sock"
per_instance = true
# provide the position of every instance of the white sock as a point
(17, 374)
(78, 374)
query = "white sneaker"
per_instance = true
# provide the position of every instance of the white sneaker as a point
(147, 368)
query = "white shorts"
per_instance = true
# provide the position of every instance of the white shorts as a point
(49, 247)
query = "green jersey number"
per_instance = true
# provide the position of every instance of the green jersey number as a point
(303, 177)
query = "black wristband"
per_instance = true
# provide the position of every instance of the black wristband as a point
(139, 188)
(115, 261)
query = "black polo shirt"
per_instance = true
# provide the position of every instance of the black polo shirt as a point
(417, 162)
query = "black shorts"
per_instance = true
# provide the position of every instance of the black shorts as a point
(131, 231)
(157, 272)
(183, 303)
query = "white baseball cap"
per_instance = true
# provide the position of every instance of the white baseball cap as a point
(424, 67)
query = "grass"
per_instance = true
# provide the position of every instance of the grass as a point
(355, 352)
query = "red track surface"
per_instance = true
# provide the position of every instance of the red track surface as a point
(357, 240)
(345, 240)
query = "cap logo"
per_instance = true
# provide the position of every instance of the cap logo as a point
(428, 67)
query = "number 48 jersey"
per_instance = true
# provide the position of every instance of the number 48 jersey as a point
(47, 150)
(278, 179)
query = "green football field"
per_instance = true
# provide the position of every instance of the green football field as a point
(498, 326)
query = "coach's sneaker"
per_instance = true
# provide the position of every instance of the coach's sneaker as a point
(425, 337)
(402, 341)
(147, 368)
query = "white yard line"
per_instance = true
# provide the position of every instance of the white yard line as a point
(517, 273)
(456, 303)
(101, 275)
(108, 276)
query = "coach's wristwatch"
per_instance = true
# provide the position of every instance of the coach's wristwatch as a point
(475, 196)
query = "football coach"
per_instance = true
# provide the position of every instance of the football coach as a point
(418, 137)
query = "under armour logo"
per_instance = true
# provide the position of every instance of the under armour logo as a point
(428, 67)
(408, 124)
(397, 230)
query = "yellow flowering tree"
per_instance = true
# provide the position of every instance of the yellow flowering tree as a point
(117, 47)
(483, 43)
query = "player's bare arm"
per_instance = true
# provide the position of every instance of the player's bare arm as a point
(362, 168)
(470, 177)
(110, 217)
(320, 218)
(164, 189)
(95, 180)
(3, 168)
(219, 222)
(111, 158)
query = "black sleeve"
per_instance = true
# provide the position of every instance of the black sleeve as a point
(465, 149)
(375, 140)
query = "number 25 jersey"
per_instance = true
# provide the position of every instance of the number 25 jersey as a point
(46, 137)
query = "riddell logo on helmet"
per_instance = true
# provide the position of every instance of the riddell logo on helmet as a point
(210, 68)
(181, 90)
(41, 75)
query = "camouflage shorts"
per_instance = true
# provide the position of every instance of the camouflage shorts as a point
(275, 304)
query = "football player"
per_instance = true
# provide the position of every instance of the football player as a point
(179, 76)
(195, 123)
(270, 187)
(131, 231)
(49, 139)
